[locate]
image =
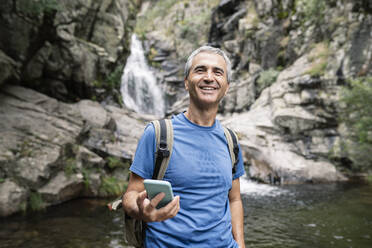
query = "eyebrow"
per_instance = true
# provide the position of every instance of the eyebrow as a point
(216, 68)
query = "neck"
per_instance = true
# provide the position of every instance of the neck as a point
(201, 117)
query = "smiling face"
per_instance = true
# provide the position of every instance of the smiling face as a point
(207, 81)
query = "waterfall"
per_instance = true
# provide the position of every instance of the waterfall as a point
(139, 88)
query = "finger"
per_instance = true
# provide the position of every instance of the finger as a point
(175, 208)
(156, 200)
(171, 209)
(141, 197)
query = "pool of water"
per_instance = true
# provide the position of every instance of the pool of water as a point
(331, 215)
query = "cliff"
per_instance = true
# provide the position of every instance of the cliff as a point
(291, 59)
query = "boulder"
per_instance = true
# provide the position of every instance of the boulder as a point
(61, 151)
(284, 139)
(62, 188)
(8, 68)
(12, 198)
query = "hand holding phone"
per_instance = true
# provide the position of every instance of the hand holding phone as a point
(154, 187)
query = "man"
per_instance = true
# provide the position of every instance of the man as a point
(207, 210)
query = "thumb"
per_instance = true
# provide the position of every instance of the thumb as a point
(141, 197)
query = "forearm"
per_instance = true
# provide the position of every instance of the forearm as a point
(237, 221)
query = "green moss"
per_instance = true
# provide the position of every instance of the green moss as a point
(2, 180)
(318, 69)
(113, 80)
(36, 202)
(32, 7)
(283, 15)
(267, 78)
(319, 59)
(369, 178)
(70, 167)
(112, 186)
(114, 162)
(145, 22)
(23, 207)
(86, 175)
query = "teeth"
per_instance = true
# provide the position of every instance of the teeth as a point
(207, 88)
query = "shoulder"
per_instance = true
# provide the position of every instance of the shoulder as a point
(148, 134)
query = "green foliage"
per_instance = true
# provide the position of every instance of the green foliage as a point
(70, 167)
(190, 27)
(319, 59)
(357, 116)
(267, 78)
(144, 22)
(114, 79)
(313, 10)
(36, 202)
(112, 186)
(114, 162)
(36, 7)
(369, 178)
(318, 69)
(186, 21)
(2, 180)
(86, 174)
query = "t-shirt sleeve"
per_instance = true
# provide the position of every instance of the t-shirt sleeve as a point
(240, 165)
(143, 162)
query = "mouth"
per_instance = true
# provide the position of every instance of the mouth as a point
(209, 87)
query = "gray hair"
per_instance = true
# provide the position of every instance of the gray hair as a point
(208, 49)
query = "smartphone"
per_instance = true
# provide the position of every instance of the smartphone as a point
(154, 187)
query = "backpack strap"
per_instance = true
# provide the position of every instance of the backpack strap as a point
(164, 146)
(232, 141)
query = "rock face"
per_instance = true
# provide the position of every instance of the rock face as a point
(290, 60)
(65, 49)
(60, 151)
(287, 78)
(290, 131)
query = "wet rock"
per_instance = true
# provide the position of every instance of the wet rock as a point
(61, 150)
(62, 188)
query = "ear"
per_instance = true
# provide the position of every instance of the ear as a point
(227, 89)
(186, 82)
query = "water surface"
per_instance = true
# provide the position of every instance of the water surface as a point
(332, 215)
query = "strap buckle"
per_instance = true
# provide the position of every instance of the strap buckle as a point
(163, 150)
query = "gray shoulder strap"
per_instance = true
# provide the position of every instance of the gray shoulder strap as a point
(164, 146)
(232, 142)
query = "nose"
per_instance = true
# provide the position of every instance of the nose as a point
(208, 76)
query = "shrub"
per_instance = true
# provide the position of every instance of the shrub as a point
(112, 186)
(357, 116)
(267, 78)
(36, 202)
(114, 162)
(36, 7)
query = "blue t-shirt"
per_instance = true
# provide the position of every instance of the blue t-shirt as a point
(201, 174)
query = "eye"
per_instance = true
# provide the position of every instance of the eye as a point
(199, 69)
(218, 72)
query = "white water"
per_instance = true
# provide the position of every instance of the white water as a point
(139, 88)
(248, 187)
